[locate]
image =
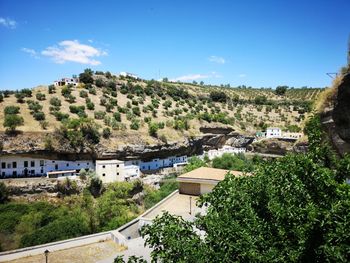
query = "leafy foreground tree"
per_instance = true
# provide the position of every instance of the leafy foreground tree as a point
(295, 209)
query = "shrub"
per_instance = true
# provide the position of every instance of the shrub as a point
(12, 121)
(152, 129)
(4, 193)
(61, 116)
(112, 85)
(218, 96)
(20, 97)
(136, 111)
(66, 91)
(86, 76)
(99, 83)
(44, 124)
(40, 96)
(117, 116)
(90, 105)
(106, 133)
(54, 101)
(39, 116)
(11, 110)
(135, 124)
(99, 115)
(83, 94)
(71, 98)
(52, 89)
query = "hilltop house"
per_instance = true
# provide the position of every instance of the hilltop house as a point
(127, 74)
(226, 149)
(67, 81)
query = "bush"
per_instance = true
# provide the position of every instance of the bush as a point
(153, 129)
(135, 124)
(61, 116)
(117, 116)
(99, 83)
(12, 121)
(99, 115)
(11, 110)
(52, 89)
(218, 96)
(54, 101)
(39, 116)
(83, 94)
(136, 111)
(236, 162)
(106, 133)
(86, 76)
(40, 96)
(20, 97)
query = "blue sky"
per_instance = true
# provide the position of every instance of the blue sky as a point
(255, 43)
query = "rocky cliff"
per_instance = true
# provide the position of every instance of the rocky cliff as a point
(336, 116)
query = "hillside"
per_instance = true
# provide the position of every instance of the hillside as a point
(127, 110)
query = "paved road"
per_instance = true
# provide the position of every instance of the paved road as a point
(135, 248)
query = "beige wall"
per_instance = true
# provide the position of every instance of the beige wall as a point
(110, 171)
(206, 188)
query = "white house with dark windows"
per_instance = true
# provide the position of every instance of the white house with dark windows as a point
(110, 170)
(158, 163)
(22, 166)
(66, 81)
(225, 149)
(273, 132)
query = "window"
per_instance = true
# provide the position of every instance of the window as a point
(3, 174)
(32, 171)
(32, 163)
(9, 166)
(3, 165)
(14, 165)
(53, 161)
(103, 174)
(78, 164)
(41, 162)
(56, 166)
(14, 173)
(42, 171)
(117, 165)
(25, 163)
(67, 164)
(87, 163)
(117, 173)
(103, 166)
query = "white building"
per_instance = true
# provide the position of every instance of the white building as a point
(131, 172)
(273, 132)
(66, 81)
(110, 170)
(292, 135)
(22, 166)
(127, 74)
(226, 149)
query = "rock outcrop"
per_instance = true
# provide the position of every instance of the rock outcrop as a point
(336, 117)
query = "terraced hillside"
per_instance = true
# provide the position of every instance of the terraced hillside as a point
(154, 110)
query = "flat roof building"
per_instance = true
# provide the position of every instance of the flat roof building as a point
(202, 180)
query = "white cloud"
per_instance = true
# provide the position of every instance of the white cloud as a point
(31, 52)
(73, 51)
(7, 22)
(242, 75)
(191, 77)
(216, 59)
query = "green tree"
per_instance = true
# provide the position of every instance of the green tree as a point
(86, 76)
(281, 90)
(153, 129)
(11, 110)
(194, 163)
(12, 121)
(294, 209)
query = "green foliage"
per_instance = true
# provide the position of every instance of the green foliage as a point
(83, 94)
(99, 115)
(194, 163)
(4, 193)
(218, 96)
(135, 124)
(153, 129)
(40, 96)
(281, 90)
(12, 121)
(86, 77)
(54, 101)
(260, 100)
(52, 89)
(293, 209)
(99, 83)
(117, 116)
(236, 162)
(95, 187)
(106, 133)
(67, 187)
(39, 116)
(293, 128)
(11, 110)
